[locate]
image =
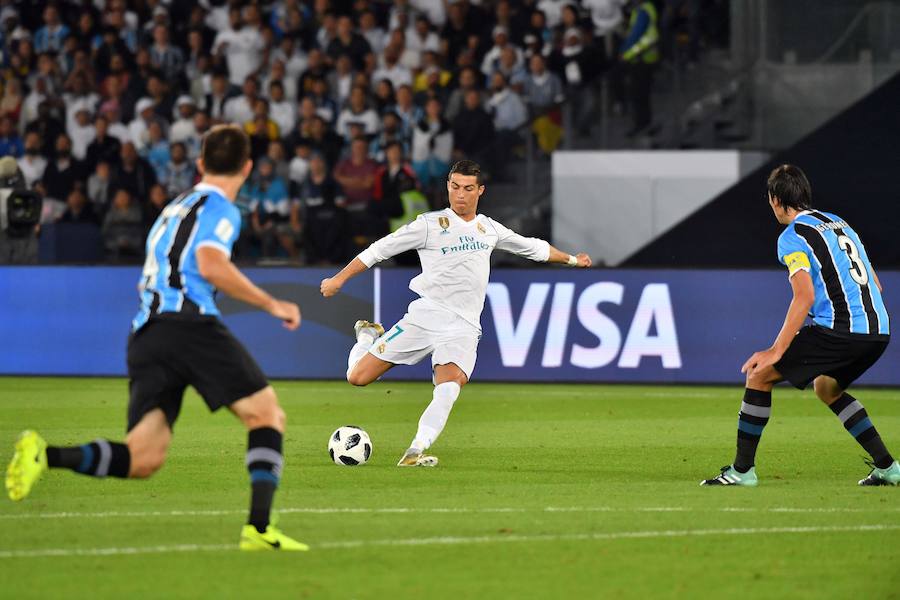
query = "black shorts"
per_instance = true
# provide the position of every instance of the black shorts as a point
(167, 355)
(817, 351)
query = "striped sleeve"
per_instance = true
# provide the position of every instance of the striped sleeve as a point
(793, 252)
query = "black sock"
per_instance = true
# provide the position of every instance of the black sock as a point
(98, 458)
(264, 461)
(856, 421)
(755, 411)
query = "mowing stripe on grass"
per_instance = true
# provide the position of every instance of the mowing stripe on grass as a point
(486, 510)
(454, 540)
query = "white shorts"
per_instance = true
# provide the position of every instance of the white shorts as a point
(425, 329)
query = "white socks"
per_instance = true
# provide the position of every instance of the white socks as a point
(432, 422)
(359, 349)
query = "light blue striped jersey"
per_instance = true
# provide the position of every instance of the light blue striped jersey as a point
(847, 299)
(171, 282)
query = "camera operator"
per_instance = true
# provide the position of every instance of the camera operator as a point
(20, 213)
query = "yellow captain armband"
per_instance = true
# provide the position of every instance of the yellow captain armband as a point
(796, 261)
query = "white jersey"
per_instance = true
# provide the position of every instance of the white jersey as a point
(455, 256)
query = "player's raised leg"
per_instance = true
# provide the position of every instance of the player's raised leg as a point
(142, 454)
(752, 419)
(449, 380)
(265, 421)
(885, 470)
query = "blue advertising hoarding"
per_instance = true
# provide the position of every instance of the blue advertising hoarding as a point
(538, 324)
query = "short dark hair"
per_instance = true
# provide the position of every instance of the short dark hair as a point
(789, 184)
(466, 167)
(225, 150)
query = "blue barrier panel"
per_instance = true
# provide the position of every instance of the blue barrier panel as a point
(75, 321)
(538, 325)
(627, 325)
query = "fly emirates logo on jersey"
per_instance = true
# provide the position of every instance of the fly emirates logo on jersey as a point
(650, 331)
(464, 243)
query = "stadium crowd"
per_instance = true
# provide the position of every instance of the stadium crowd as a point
(355, 108)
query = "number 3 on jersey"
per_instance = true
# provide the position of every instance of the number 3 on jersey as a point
(857, 268)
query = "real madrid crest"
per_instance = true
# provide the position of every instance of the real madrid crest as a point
(480, 228)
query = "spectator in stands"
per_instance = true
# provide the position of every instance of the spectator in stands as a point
(432, 146)
(216, 100)
(11, 143)
(392, 179)
(578, 65)
(541, 89)
(270, 210)
(137, 128)
(325, 104)
(81, 96)
(242, 45)
(11, 103)
(320, 212)
(179, 173)
(183, 127)
(473, 131)
(469, 79)
(391, 69)
(123, 228)
(350, 43)
(104, 147)
(298, 168)
(509, 114)
(98, 190)
(133, 173)
(165, 57)
(491, 61)
(340, 80)
(538, 38)
(261, 129)
(276, 153)
(157, 150)
(78, 209)
(384, 96)
(64, 172)
(282, 111)
(639, 56)
(422, 39)
(240, 109)
(324, 141)
(552, 10)
(50, 37)
(407, 110)
(159, 91)
(606, 16)
(357, 112)
(82, 133)
(32, 164)
(157, 202)
(369, 29)
(391, 131)
(356, 175)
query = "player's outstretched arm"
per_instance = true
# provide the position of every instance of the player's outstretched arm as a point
(333, 285)
(409, 237)
(216, 268)
(577, 260)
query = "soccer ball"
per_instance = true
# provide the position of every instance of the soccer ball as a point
(349, 446)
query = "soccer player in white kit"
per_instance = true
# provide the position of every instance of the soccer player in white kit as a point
(454, 247)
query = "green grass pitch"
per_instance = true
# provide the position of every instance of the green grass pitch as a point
(544, 491)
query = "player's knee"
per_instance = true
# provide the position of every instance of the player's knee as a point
(758, 380)
(357, 378)
(827, 389)
(264, 411)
